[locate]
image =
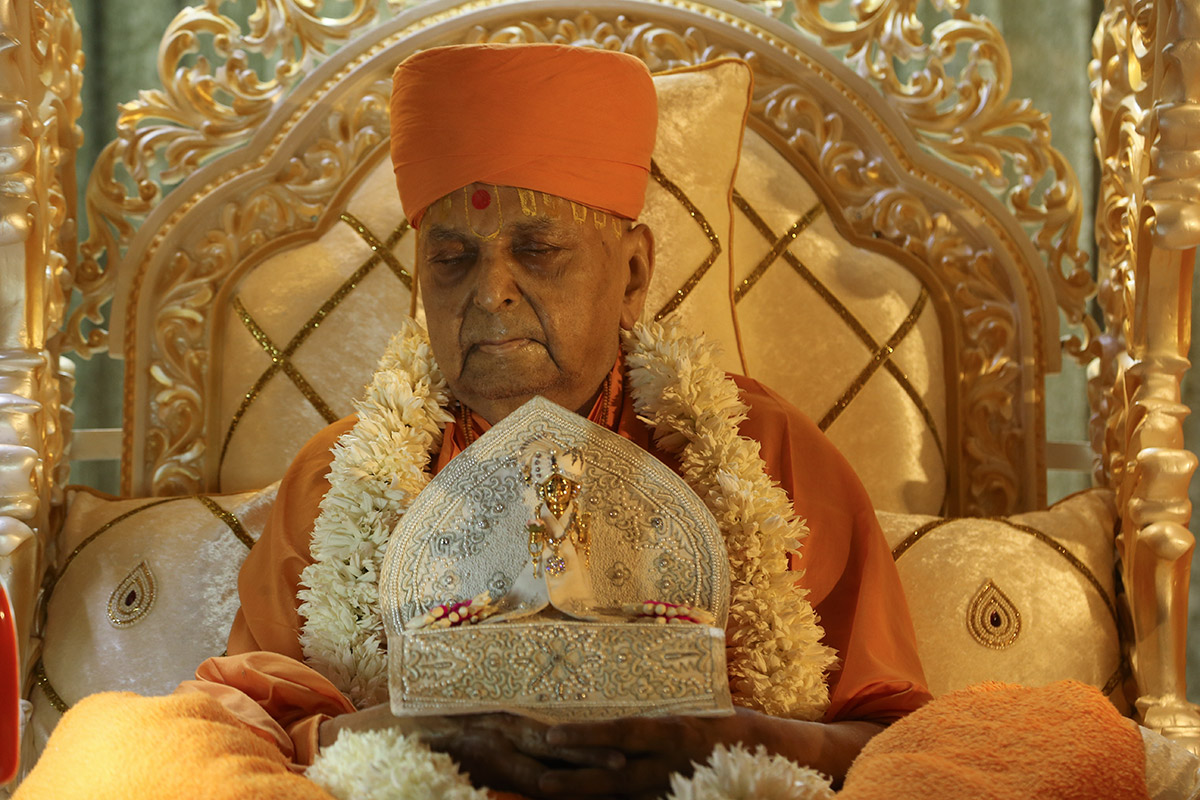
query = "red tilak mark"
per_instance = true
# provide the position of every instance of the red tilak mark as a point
(481, 199)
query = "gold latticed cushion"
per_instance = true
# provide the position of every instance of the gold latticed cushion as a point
(701, 117)
(146, 590)
(1024, 599)
(811, 303)
(309, 321)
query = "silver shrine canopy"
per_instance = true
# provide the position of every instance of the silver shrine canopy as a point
(574, 546)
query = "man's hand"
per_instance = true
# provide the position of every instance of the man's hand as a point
(656, 747)
(499, 751)
(653, 749)
(629, 757)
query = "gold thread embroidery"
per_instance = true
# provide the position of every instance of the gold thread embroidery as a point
(846, 316)
(1049, 541)
(877, 360)
(229, 518)
(1068, 555)
(467, 201)
(683, 291)
(781, 244)
(382, 249)
(1118, 675)
(378, 255)
(993, 619)
(528, 202)
(43, 682)
(94, 535)
(133, 598)
(280, 361)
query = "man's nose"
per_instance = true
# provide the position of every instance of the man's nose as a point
(496, 282)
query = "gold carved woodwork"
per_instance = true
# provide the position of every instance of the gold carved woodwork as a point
(207, 109)
(40, 79)
(1146, 104)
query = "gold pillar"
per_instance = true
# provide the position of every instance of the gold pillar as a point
(1146, 92)
(40, 78)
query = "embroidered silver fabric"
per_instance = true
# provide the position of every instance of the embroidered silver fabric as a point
(563, 670)
(466, 533)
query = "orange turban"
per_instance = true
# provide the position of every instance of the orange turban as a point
(574, 122)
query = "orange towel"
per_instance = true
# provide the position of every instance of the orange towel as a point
(119, 746)
(997, 741)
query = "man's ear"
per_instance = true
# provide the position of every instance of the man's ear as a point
(638, 253)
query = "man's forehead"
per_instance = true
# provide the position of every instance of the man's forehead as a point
(485, 209)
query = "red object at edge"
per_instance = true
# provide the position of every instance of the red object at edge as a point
(10, 693)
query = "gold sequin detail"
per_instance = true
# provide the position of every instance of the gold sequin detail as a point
(96, 534)
(1118, 675)
(781, 244)
(381, 253)
(877, 360)
(843, 312)
(133, 598)
(43, 682)
(381, 249)
(683, 291)
(280, 360)
(229, 518)
(993, 619)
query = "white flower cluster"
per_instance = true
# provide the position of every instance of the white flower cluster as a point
(734, 773)
(387, 765)
(774, 654)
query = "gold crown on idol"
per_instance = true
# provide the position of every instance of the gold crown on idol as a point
(556, 569)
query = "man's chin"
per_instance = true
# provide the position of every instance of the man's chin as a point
(510, 383)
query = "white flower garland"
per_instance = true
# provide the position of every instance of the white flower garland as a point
(379, 467)
(774, 654)
(775, 658)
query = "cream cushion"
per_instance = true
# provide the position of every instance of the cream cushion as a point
(1026, 599)
(146, 590)
(816, 311)
(702, 111)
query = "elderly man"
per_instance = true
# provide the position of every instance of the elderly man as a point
(524, 169)
(502, 154)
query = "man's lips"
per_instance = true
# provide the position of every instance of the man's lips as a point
(498, 347)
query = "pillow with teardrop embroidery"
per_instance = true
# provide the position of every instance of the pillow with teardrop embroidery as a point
(146, 590)
(1024, 599)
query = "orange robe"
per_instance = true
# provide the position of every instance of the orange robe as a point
(849, 571)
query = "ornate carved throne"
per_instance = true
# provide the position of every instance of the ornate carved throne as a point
(891, 253)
